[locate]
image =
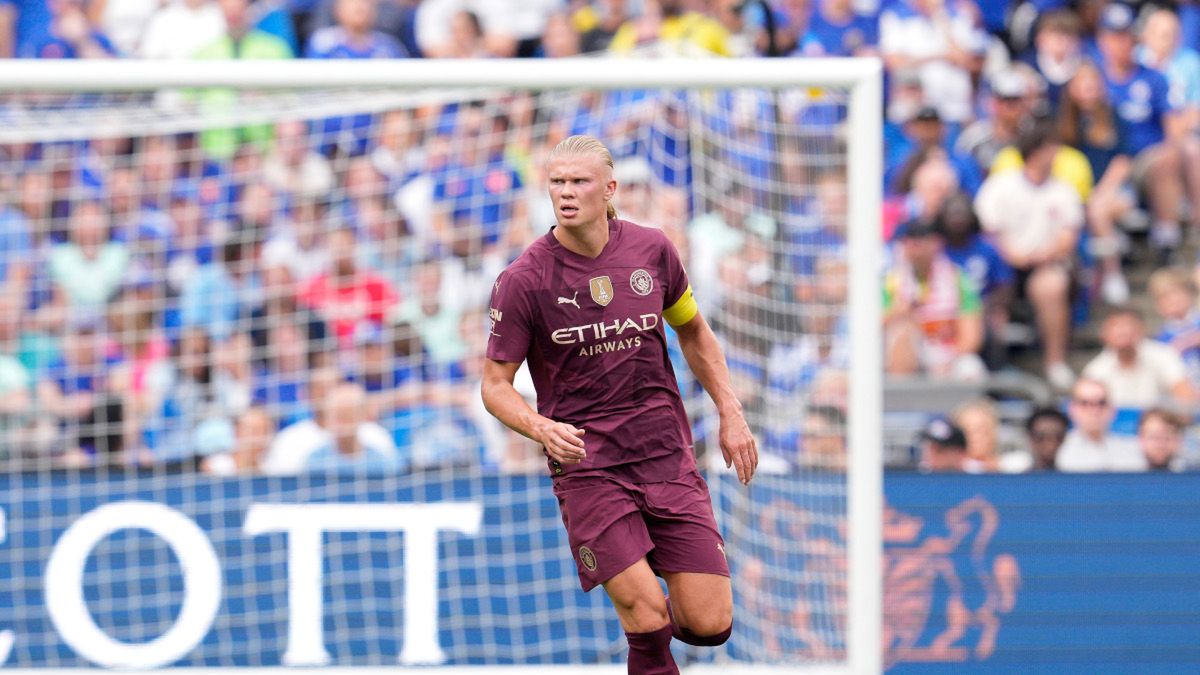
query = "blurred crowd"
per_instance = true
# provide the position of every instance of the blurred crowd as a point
(310, 294)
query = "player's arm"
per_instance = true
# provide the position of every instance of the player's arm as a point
(562, 442)
(707, 361)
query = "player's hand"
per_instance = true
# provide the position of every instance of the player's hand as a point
(738, 446)
(561, 441)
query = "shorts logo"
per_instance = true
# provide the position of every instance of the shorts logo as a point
(602, 290)
(587, 558)
(721, 548)
(641, 282)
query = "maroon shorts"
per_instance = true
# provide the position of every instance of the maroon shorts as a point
(611, 523)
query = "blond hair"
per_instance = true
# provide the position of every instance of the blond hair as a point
(582, 144)
(1168, 278)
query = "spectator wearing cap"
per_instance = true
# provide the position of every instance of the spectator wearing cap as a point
(70, 35)
(1035, 221)
(1046, 429)
(944, 42)
(1148, 116)
(943, 447)
(1174, 293)
(1160, 438)
(1090, 446)
(1007, 105)
(180, 29)
(1139, 373)
(1057, 50)
(836, 29)
(933, 320)
(991, 276)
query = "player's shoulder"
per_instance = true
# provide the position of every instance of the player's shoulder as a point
(633, 233)
(530, 265)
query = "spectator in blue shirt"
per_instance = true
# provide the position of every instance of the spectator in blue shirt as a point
(923, 132)
(1147, 122)
(354, 36)
(1057, 50)
(835, 29)
(342, 447)
(70, 35)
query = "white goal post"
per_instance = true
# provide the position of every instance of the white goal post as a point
(861, 79)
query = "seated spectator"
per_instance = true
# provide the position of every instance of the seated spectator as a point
(87, 270)
(836, 29)
(293, 166)
(932, 181)
(944, 42)
(347, 440)
(598, 22)
(354, 36)
(346, 295)
(1006, 105)
(822, 341)
(282, 386)
(1047, 429)
(1174, 294)
(74, 389)
(1057, 50)
(1090, 446)
(673, 28)
(233, 376)
(1035, 220)
(71, 35)
(943, 447)
(299, 243)
(16, 241)
(1140, 373)
(1087, 121)
(990, 275)
(933, 321)
(1150, 125)
(823, 440)
(26, 435)
(980, 424)
(1162, 49)
(1160, 438)
(924, 134)
(252, 437)
(222, 293)
(559, 39)
(181, 28)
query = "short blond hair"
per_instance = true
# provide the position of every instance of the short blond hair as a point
(583, 144)
(1168, 278)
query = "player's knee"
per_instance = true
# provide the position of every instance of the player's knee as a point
(712, 627)
(643, 615)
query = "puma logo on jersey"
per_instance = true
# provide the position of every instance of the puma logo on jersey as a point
(569, 301)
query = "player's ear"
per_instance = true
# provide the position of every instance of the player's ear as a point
(611, 189)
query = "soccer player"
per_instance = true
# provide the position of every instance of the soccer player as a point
(585, 306)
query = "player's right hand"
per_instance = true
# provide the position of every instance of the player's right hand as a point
(561, 442)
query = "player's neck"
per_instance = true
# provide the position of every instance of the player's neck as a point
(586, 240)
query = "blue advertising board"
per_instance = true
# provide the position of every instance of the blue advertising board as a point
(1035, 573)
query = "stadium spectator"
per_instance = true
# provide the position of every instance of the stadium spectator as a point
(924, 135)
(560, 39)
(672, 27)
(280, 305)
(1086, 120)
(1160, 438)
(823, 339)
(943, 42)
(1139, 373)
(1046, 429)
(354, 36)
(1035, 220)
(343, 444)
(293, 167)
(933, 320)
(298, 243)
(233, 378)
(823, 440)
(1007, 105)
(224, 292)
(943, 447)
(17, 218)
(86, 270)
(1090, 446)
(8, 28)
(252, 437)
(289, 449)
(931, 182)
(74, 390)
(180, 29)
(837, 29)
(1057, 50)
(70, 35)
(282, 385)
(1174, 294)
(1163, 49)
(980, 424)
(1149, 123)
(346, 295)
(992, 277)
(598, 22)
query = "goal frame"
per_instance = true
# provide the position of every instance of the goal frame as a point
(862, 78)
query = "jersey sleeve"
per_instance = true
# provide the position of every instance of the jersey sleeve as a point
(510, 315)
(679, 305)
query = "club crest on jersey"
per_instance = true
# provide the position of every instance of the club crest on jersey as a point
(602, 290)
(641, 282)
(587, 558)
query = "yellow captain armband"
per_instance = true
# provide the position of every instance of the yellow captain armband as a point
(683, 310)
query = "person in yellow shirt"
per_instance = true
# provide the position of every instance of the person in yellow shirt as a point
(667, 22)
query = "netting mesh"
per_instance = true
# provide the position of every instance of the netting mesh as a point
(206, 293)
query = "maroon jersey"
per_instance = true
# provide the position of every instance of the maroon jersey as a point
(592, 332)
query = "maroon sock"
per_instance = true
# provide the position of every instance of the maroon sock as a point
(650, 653)
(686, 636)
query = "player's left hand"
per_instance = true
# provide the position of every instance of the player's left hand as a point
(738, 446)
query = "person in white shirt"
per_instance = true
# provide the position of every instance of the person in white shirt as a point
(1035, 220)
(1140, 373)
(945, 45)
(1089, 446)
(182, 28)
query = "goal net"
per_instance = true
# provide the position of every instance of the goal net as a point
(213, 277)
